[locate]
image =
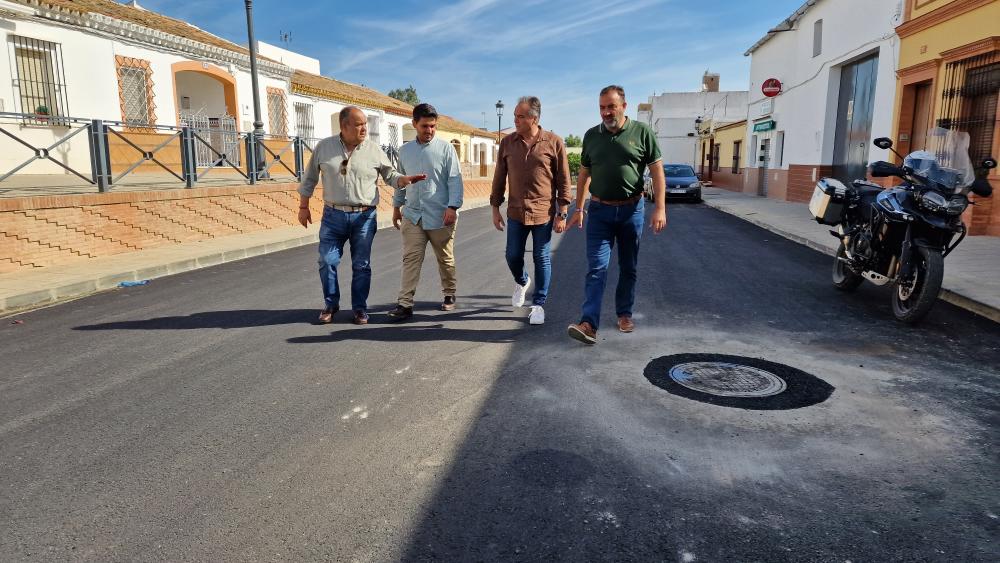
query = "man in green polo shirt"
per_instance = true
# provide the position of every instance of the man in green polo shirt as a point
(614, 156)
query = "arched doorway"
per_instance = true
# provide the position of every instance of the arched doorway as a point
(205, 98)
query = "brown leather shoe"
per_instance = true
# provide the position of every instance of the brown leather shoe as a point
(584, 332)
(326, 315)
(625, 323)
(449, 303)
(360, 317)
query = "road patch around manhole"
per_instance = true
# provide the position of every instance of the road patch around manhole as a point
(737, 381)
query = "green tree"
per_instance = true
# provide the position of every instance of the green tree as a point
(574, 163)
(573, 141)
(408, 95)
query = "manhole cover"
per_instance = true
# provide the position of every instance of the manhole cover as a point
(727, 380)
(737, 381)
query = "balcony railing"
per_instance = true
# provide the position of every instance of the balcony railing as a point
(118, 150)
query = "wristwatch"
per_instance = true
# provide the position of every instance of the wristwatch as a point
(562, 214)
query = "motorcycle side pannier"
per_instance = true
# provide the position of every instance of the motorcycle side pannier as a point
(828, 201)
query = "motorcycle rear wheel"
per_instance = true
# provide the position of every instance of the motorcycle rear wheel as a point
(843, 278)
(912, 300)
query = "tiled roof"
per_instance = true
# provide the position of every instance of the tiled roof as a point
(302, 82)
(139, 16)
(331, 89)
(339, 91)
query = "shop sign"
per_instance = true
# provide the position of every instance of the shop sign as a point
(763, 126)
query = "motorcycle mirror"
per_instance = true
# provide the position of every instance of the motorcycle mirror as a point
(990, 163)
(982, 188)
(883, 143)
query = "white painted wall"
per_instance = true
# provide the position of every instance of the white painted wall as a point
(672, 116)
(484, 143)
(206, 94)
(92, 89)
(806, 110)
(295, 60)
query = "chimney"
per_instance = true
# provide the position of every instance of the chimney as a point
(710, 82)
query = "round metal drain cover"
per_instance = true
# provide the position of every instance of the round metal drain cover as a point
(727, 379)
(736, 381)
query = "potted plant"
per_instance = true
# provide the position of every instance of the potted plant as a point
(42, 112)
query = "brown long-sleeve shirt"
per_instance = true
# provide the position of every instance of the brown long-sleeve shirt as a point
(537, 174)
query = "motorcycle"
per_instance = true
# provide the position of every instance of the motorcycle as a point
(899, 236)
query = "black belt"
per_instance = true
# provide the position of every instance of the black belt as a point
(349, 208)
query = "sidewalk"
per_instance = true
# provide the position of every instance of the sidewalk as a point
(971, 272)
(42, 286)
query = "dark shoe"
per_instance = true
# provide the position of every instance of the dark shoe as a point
(625, 324)
(360, 317)
(584, 332)
(326, 315)
(401, 313)
(449, 303)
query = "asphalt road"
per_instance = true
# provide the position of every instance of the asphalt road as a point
(205, 418)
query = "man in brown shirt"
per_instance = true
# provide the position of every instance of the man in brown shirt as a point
(533, 164)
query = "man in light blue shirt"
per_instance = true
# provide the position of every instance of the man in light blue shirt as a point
(427, 211)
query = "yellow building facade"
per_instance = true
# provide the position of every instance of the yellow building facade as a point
(949, 76)
(722, 154)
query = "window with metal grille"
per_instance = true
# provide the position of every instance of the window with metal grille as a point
(971, 93)
(373, 126)
(304, 120)
(716, 152)
(39, 77)
(277, 112)
(135, 91)
(393, 135)
(736, 156)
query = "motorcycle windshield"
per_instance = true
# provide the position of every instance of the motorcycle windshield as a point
(948, 164)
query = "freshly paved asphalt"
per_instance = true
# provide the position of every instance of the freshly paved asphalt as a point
(204, 418)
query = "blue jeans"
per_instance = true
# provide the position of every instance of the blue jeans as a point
(607, 225)
(541, 237)
(336, 228)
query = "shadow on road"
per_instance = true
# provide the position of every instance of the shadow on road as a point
(572, 459)
(212, 319)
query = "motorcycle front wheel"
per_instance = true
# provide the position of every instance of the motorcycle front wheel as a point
(913, 298)
(843, 278)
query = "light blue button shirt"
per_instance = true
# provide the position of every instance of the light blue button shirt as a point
(424, 202)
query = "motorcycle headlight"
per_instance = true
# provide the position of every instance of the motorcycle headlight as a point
(957, 205)
(933, 201)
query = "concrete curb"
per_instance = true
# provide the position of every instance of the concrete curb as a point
(961, 301)
(65, 291)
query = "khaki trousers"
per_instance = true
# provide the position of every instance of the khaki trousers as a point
(415, 240)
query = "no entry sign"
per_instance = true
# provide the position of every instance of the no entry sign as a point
(771, 87)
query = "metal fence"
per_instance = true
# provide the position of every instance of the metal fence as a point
(187, 153)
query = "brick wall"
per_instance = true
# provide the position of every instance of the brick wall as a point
(43, 231)
(726, 180)
(801, 182)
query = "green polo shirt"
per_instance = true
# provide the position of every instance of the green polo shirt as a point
(617, 161)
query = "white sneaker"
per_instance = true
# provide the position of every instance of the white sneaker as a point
(520, 291)
(537, 316)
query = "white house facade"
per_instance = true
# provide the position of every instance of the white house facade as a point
(675, 117)
(837, 75)
(145, 76)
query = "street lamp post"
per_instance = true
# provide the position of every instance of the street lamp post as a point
(499, 118)
(258, 125)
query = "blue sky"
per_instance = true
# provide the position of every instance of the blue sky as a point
(463, 55)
